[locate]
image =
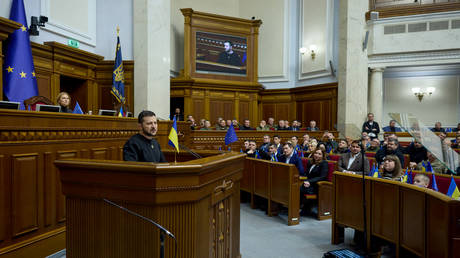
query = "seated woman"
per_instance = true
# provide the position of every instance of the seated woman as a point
(392, 168)
(316, 171)
(63, 100)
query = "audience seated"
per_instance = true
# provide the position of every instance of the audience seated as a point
(222, 125)
(252, 151)
(438, 128)
(246, 125)
(206, 126)
(277, 142)
(295, 143)
(392, 127)
(390, 149)
(272, 153)
(375, 145)
(63, 100)
(352, 162)
(421, 180)
(271, 124)
(306, 142)
(366, 141)
(265, 144)
(342, 147)
(456, 142)
(312, 126)
(315, 171)
(281, 125)
(190, 119)
(289, 157)
(392, 168)
(262, 126)
(177, 113)
(416, 152)
(457, 129)
(246, 146)
(228, 123)
(330, 142)
(295, 125)
(202, 121)
(371, 127)
(437, 166)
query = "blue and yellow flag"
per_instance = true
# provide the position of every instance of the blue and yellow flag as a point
(121, 114)
(19, 82)
(434, 186)
(77, 109)
(173, 139)
(453, 191)
(118, 76)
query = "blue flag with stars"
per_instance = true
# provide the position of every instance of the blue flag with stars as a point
(118, 76)
(230, 136)
(19, 82)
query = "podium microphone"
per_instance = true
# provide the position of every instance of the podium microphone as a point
(196, 155)
(163, 230)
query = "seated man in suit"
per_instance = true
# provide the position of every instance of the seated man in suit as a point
(312, 126)
(265, 144)
(416, 152)
(252, 151)
(392, 148)
(438, 128)
(391, 127)
(290, 158)
(246, 125)
(277, 142)
(352, 162)
(143, 146)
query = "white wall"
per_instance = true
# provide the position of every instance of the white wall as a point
(441, 106)
(99, 25)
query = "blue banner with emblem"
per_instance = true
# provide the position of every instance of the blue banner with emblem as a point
(118, 76)
(19, 82)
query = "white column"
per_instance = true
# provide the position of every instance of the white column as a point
(353, 68)
(151, 21)
(375, 104)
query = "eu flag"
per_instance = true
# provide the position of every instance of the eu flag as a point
(118, 76)
(19, 82)
(77, 109)
(230, 136)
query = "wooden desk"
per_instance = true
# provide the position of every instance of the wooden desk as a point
(275, 181)
(198, 201)
(32, 207)
(418, 220)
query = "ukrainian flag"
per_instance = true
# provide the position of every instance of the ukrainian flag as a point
(453, 191)
(173, 139)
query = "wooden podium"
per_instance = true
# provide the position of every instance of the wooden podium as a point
(197, 200)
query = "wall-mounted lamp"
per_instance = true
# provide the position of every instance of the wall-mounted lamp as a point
(419, 93)
(313, 50)
(303, 50)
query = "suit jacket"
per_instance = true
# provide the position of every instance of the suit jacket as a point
(383, 152)
(312, 129)
(318, 173)
(356, 166)
(390, 129)
(297, 161)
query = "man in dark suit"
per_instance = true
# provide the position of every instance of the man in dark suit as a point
(392, 127)
(371, 127)
(352, 162)
(392, 148)
(312, 126)
(290, 158)
(143, 146)
(265, 144)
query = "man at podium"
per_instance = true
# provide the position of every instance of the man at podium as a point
(143, 146)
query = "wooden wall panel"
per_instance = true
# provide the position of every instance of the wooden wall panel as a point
(49, 188)
(100, 153)
(244, 113)
(282, 111)
(60, 198)
(25, 200)
(268, 110)
(198, 109)
(44, 85)
(3, 199)
(229, 110)
(216, 109)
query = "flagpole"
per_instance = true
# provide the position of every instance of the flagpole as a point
(175, 161)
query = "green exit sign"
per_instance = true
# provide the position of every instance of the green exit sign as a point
(73, 43)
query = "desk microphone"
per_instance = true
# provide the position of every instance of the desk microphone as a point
(194, 154)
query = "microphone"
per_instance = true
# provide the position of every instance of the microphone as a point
(196, 155)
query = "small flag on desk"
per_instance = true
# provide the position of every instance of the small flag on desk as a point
(77, 109)
(230, 137)
(429, 168)
(121, 114)
(453, 191)
(173, 139)
(19, 78)
(118, 76)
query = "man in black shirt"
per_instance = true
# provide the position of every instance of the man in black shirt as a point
(371, 127)
(228, 56)
(143, 146)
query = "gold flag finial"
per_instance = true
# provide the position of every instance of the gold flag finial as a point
(118, 30)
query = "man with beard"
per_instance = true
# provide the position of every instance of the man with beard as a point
(229, 56)
(143, 146)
